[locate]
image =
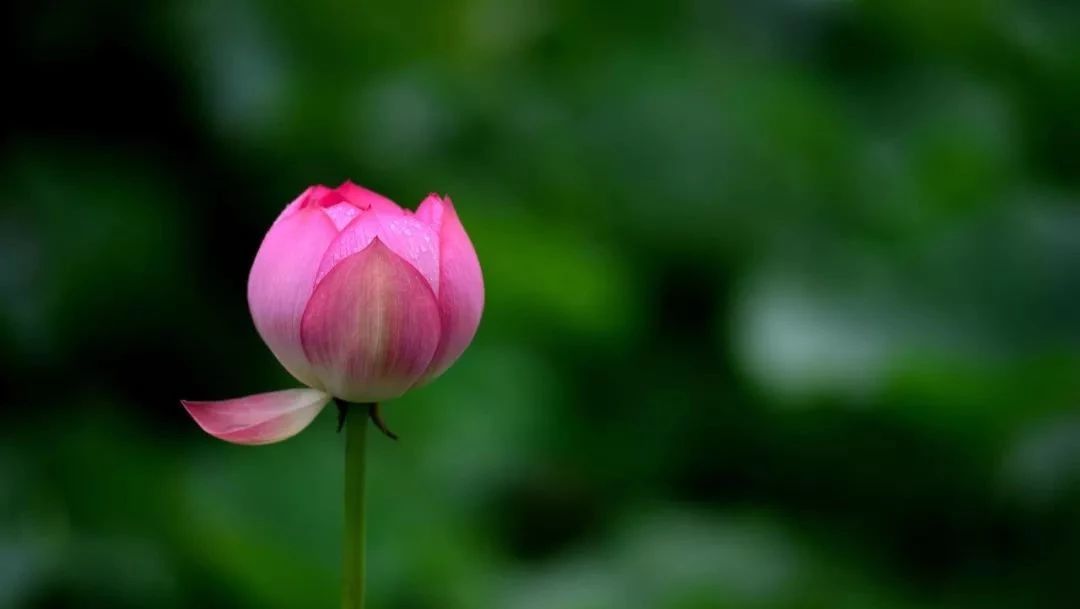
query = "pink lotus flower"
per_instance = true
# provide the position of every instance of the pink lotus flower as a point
(358, 299)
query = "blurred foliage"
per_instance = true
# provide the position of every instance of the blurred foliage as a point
(782, 302)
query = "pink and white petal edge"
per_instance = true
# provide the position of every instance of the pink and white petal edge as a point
(262, 418)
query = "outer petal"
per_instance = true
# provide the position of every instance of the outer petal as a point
(282, 280)
(461, 285)
(371, 327)
(405, 235)
(259, 419)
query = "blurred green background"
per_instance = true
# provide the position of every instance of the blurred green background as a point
(781, 302)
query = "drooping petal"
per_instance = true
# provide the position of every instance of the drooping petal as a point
(367, 199)
(461, 284)
(282, 280)
(259, 419)
(405, 235)
(371, 326)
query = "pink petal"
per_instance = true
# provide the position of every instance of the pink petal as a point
(297, 204)
(431, 210)
(314, 196)
(406, 236)
(366, 199)
(461, 292)
(259, 419)
(341, 214)
(282, 280)
(371, 327)
(342, 204)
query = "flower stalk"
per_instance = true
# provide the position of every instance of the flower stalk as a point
(355, 521)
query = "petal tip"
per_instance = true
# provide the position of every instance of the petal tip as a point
(376, 243)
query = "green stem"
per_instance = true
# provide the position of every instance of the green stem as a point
(355, 440)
